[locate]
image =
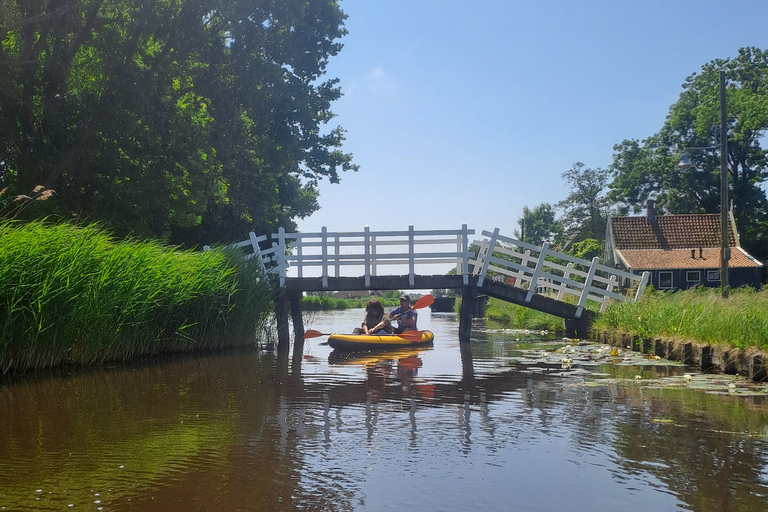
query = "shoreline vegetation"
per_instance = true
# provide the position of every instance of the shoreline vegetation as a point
(326, 303)
(698, 315)
(73, 295)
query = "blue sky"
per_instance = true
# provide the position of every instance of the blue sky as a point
(466, 111)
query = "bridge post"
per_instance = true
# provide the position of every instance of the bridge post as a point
(294, 299)
(281, 316)
(465, 314)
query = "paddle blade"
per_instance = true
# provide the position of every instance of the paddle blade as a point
(312, 334)
(423, 302)
(411, 335)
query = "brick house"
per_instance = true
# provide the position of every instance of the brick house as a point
(680, 251)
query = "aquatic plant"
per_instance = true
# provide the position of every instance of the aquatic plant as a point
(72, 294)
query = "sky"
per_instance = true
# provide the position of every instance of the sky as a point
(464, 112)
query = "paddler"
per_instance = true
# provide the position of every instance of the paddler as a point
(405, 316)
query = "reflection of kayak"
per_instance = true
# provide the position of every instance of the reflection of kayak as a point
(387, 341)
(373, 356)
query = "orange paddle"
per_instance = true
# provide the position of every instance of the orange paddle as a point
(408, 335)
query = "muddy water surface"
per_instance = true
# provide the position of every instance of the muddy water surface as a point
(514, 423)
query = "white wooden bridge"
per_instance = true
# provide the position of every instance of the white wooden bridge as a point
(496, 265)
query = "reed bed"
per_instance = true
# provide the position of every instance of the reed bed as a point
(699, 314)
(73, 295)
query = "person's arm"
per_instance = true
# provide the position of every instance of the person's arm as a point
(384, 324)
(410, 321)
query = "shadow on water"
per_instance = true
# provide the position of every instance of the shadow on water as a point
(450, 427)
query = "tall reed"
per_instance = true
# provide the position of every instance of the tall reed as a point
(699, 314)
(72, 294)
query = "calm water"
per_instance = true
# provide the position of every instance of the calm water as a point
(428, 430)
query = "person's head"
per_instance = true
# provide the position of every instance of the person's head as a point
(405, 300)
(374, 307)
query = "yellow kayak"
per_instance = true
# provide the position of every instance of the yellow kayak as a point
(365, 342)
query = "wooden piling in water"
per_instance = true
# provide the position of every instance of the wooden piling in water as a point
(281, 317)
(465, 314)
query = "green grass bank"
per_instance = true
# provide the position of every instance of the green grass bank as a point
(513, 316)
(698, 315)
(325, 303)
(74, 295)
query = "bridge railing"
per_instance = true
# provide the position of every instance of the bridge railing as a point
(544, 271)
(331, 254)
(267, 257)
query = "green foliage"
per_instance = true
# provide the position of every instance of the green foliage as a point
(70, 294)
(587, 249)
(519, 317)
(539, 225)
(646, 169)
(699, 314)
(327, 303)
(585, 210)
(192, 121)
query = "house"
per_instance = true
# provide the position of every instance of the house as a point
(680, 251)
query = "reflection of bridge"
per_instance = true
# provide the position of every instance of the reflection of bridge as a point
(536, 277)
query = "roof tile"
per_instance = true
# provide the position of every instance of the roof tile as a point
(669, 232)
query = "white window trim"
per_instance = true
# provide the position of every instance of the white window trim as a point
(688, 276)
(713, 275)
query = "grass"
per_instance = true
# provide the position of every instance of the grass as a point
(325, 303)
(73, 295)
(519, 317)
(699, 314)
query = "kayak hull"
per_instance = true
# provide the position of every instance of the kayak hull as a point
(385, 341)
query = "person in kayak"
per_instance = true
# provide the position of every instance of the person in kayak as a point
(376, 321)
(405, 316)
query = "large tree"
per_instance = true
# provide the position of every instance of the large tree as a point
(538, 225)
(190, 120)
(585, 210)
(647, 169)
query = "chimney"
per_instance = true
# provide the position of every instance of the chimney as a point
(693, 254)
(649, 213)
(701, 254)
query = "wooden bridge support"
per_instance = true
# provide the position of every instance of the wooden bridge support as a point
(465, 314)
(281, 316)
(577, 327)
(294, 299)
(283, 301)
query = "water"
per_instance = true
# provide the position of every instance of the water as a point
(496, 428)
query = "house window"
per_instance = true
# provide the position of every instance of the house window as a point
(665, 280)
(713, 275)
(693, 276)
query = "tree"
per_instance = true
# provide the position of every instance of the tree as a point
(191, 120)
(646, 169)
(538, 225)
(585, 210)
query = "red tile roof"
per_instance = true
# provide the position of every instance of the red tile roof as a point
(709, 258)
(669, 232)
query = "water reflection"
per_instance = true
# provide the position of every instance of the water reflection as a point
(451, 427)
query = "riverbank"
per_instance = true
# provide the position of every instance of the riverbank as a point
(699, 315)
(513, 316)
(325, 303)
(695, 326)
(73, 295)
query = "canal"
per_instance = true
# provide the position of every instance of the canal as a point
(517, 422)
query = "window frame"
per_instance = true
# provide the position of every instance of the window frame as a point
(688, 276)
(671, 279)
